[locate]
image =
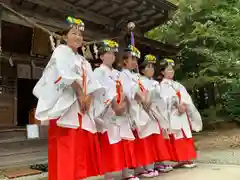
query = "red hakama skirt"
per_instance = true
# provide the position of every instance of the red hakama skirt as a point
(113, 157)
(126, 154)
(183, 149)
(143, 150)
(161, 147)
(72, 153)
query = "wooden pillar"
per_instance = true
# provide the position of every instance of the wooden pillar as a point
(1, 9)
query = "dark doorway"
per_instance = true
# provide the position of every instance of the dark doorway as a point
(26, 100)
(13, 35)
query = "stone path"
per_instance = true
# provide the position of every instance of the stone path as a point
(202, 172)
(212, 165)
(218, 159)
(205, 172)
(227, 157)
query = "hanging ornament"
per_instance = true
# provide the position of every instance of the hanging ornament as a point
(84, 51)
(52, 42)
(88, 53)
(95, 49)
(131, 26)
(10, 61)
(58, 42)
(33, 64)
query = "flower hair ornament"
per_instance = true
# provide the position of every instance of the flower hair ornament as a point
(170, 62)
(106, 46)
(74, 22)
(150, 59)
(109, 45)
(133, 51)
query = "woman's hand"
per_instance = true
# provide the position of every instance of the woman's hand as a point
(84, 102)
(140, 97)
(144, 99)
(182, 108)
(119, 109)
(88, 101)
(147, 101)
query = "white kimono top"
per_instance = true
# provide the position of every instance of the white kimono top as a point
(117, 127)
(158, 106)
(181, 125)
(56, 97)
(139, 117)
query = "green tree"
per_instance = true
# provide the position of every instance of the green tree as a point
(207, 33)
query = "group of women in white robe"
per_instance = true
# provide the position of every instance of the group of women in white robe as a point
(104, 121)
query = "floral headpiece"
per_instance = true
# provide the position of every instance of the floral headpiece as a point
(105, 46)
(78, 23)
(167, 62)
(170, 62)
(134, 51)
(150, 59)
(109, 45)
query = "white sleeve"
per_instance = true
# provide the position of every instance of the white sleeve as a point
(130, 88)
(110, 92)
(65, 63)
(93, 84)
(155, 91)
(99, 75)
(185, 96)
(194, 115)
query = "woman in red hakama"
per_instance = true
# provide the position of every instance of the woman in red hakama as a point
(155, 142)
(72, 153)
(180, 140)
(66, 90)
(113, 156)
(140, 147)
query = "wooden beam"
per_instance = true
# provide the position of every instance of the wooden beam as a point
(69, 9)
(53, 24)
(158, 22)
(159, 4)
(157, 45)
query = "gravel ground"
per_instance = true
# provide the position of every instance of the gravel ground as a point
(218, 140)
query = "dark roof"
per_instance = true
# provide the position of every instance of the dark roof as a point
(102, 18)
(112, 14)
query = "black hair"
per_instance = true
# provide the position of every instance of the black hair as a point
(163, 65)
(141, 68)
(62, 33)
(124, 58)
(101, 52)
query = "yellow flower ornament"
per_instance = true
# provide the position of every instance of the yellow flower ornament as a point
(150, 59)
(134, 51)
(76, 22)
(170, 62)
(109, 45)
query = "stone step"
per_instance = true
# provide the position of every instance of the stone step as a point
(24, 159)
(26, 146)
(19, 135)
(16, 150)
(12, 136)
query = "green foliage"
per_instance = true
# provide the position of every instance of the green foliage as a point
(232, 100)
(207, 33)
